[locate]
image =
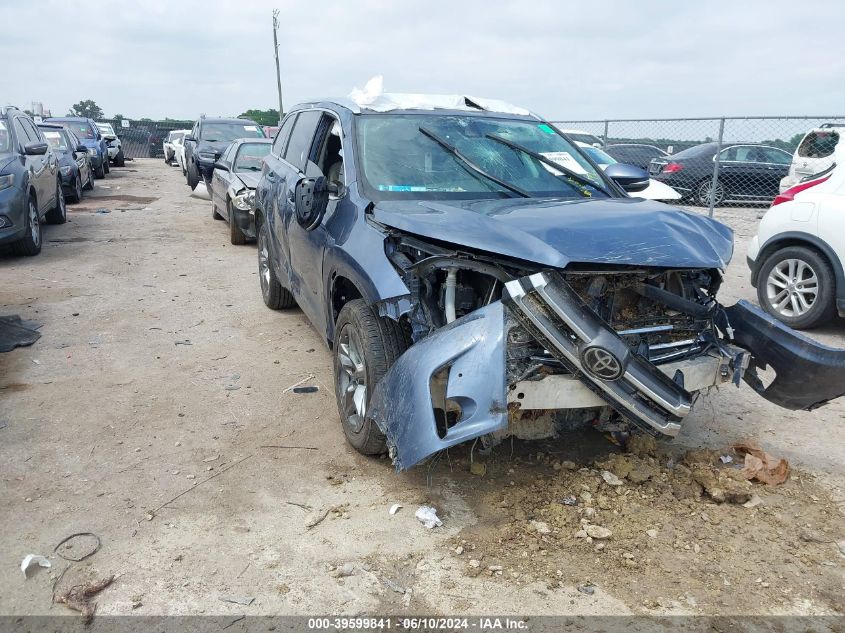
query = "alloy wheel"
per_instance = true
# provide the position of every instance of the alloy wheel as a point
(352, 378)
(704, 191)
(34, 224)
(263, 264)
(792, 288)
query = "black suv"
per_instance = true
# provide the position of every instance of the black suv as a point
(207, 140)
(30, 186)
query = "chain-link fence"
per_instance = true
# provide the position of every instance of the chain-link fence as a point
(716, 161)
(144, 138)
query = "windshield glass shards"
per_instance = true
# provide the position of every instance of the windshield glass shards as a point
(465, 157)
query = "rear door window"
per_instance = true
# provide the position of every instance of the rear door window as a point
(299, 146)
(819, 144)
(282, 136)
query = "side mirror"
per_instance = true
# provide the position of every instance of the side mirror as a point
(35, 149)
(632, 179)
(221, 166)
(311, 199)
(81, 148)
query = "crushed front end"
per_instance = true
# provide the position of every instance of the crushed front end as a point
(501, 349)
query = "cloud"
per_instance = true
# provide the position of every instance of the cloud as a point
(566, 60)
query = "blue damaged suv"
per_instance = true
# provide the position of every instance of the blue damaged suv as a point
(478, 276)
(30, 185)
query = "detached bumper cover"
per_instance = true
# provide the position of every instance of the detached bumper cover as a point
(401, 405)
(809, 374)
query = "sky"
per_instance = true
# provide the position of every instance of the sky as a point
(564, 60)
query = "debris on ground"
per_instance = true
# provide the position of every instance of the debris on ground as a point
(79, 597)
(586, 588)
(307, 389)
(760, 465)
(246, 600)
(77, 540)
(478, 469)
(15, 332)
(33, 560)
(394, 508)
(427, 515)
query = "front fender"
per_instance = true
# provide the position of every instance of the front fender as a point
(473, 348)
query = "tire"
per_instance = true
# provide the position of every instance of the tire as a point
(30, 244)
(58, 214)
(379, 343)
(702, 193)
(120, 159)
(100, 172)
(779, 293)
(77, 189)
(276, 296)
(89, 186)
(236, 236)
(192, 176)
(106, 167)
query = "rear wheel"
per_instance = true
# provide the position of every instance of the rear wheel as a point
(797, 286)
(274, 294)
(30, 243)
(58, 214)
(366, 345)
(702, 193)
(77, 189)
(236, 236)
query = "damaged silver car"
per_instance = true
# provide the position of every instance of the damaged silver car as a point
(478, 276)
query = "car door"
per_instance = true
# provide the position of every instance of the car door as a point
(220, 179)
(37, 166)
(266, 196)
(292, 170)
(307, 248)
(777, 163)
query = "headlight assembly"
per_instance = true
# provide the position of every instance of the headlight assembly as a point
(244, 200)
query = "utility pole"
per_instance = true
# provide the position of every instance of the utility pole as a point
(276, 52)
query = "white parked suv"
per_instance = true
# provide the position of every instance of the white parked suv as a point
(814, 154)
(797, 256)
(115, 147)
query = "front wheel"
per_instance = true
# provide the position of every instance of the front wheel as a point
(77, 188)
(106, 167)
(100, 172)
(797, 286)
(30, 243)
(276, 297)
(58, 214)
(89, 186)
(119, 158)
(236, 236)
(365, 347)
(702, 193)
(192, 176)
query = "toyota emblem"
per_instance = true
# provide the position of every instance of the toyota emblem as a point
(601, 363)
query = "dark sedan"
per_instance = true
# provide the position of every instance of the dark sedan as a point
(748, 172)
(74, 164)
(233, 186)
(637, 154)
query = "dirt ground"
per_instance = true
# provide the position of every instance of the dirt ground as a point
(155, 412)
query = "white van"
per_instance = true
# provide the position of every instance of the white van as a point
(814, 154)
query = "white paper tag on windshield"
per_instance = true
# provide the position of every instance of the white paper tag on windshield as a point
(565, 160)
(250, 128)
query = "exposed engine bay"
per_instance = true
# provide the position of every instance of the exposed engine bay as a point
(613, 346)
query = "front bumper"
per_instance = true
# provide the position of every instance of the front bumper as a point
(657, 397)
(12, 215)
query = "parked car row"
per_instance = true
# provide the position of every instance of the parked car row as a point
(41, 166)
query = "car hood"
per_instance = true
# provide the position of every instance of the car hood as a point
(617, 231)
(249, 179)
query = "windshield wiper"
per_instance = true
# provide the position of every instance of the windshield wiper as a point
(454, 151)
(568, 172)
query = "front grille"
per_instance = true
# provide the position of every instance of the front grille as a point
(547, 306)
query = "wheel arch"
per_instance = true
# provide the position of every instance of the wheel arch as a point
(807, 240)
